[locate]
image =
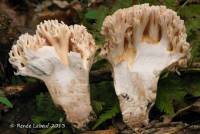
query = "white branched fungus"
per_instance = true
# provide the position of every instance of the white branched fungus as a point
(140, 42)
(61, 56)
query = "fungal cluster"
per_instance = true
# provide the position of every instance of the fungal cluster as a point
(140, 42)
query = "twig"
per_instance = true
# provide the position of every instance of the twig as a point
(185, 3)
(164, 128)
(23, 89)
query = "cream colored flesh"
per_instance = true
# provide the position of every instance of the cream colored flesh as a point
(140, 42)
(136, 84)
(68, 85)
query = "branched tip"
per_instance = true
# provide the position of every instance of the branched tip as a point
(57, 35)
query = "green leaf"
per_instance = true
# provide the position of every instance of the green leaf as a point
(66, 131)
(37, 119)
(148, 1)
(6, 102)
(192, 25)
(51, 131)
(104, 92)
(170, 3)
(100, 63)
(102, 12)
(195, 52)
(46, 111)
(97, 106)
(91, 14)
(108, 114)
(121, 4)
(193, 85)
(16, 80)
(190, 10)
(170, 89)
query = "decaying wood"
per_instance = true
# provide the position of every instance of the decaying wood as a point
(156, 127)
(195, 65)
(170, 128)
(23, 89)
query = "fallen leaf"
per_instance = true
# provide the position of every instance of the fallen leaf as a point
(109, 131)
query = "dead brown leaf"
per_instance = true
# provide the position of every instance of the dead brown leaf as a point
(13, 89)
(109, 131)
(70, 16)
(10, 11)
(61, 3)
